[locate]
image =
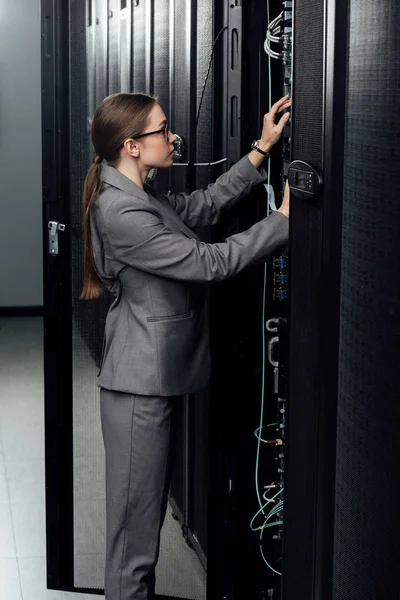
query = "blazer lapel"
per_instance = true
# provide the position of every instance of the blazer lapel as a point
(171, 217)
(113, 177)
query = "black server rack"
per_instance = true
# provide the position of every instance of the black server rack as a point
(344, 289)
(246, 555)
(114, 46)
(141, 41)
(318, 111)
(308, 339)
(200, 69)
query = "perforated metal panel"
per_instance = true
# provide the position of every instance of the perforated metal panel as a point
(204, 134)
(113, 45)
(367, 524)
(364, 516)
(125, 49)
(119, 60)
(182, 67)
(100, 49)
(87, 320)
(139, 47)
(101, 63)
(305, 293)
(86, 26)
(162, 71)
(161, 54)
(181, 93)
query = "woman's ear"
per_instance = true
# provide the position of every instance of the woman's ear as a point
(131, 148)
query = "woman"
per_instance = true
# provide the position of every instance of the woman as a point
(141, 247)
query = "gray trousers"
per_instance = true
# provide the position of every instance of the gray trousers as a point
(140, 434)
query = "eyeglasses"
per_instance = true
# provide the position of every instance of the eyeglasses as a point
(164, 130)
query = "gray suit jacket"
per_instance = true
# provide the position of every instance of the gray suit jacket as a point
(156, 338)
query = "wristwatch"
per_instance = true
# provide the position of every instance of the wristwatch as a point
(255, 146)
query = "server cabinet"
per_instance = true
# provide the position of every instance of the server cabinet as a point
(244, 401)
(101, 46)
(87, 21)
(113, 60)
(119, 46)
(207, 64)
(214, 466)
(313, 334)
(367, 473)
(141, 41)
(108, 46)
(198, 78)
(125, 47)
(334, 464)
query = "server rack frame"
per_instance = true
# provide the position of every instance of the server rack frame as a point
(57, 302)
(58, 333)
(57, 286)
(59, 451)
(311, 448)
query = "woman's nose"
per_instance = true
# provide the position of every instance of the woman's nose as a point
(172, 138)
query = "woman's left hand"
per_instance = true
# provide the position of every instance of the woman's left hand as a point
(272, 131)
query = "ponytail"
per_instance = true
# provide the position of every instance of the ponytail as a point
(92, 286)
(114, 121)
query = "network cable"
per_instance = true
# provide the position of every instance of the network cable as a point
(211, 163)
(274, 35)
(274, 28)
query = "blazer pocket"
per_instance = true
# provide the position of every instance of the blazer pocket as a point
(178, 317)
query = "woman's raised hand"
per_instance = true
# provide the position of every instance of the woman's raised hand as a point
(272, 131)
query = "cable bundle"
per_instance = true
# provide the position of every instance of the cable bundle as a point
(274, 517)
(275, 35)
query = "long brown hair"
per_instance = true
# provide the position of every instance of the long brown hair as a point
(117, 118)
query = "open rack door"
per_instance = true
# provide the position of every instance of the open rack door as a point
(344, 387)
(91, 49)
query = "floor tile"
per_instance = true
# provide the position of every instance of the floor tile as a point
(4, 497)
(10, 588)
(33, 580)
(29, 528)
(26, 481)
(23, 441)
(7, 544)
(21, 398)
(2, 465)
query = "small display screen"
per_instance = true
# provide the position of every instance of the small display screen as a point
(304, 179)
(301, 180)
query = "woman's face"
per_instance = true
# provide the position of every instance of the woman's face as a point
(156, 150)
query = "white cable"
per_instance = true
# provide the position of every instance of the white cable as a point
(270, 52)
(273, 28)
(276, 30)
(269, 47)
(271, 196)
(277, 40)
(278, 18)
(210, 164)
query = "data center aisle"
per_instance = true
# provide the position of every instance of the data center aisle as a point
(22, 473)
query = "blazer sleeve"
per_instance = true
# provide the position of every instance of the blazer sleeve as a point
(135, 236)
(204, 207)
